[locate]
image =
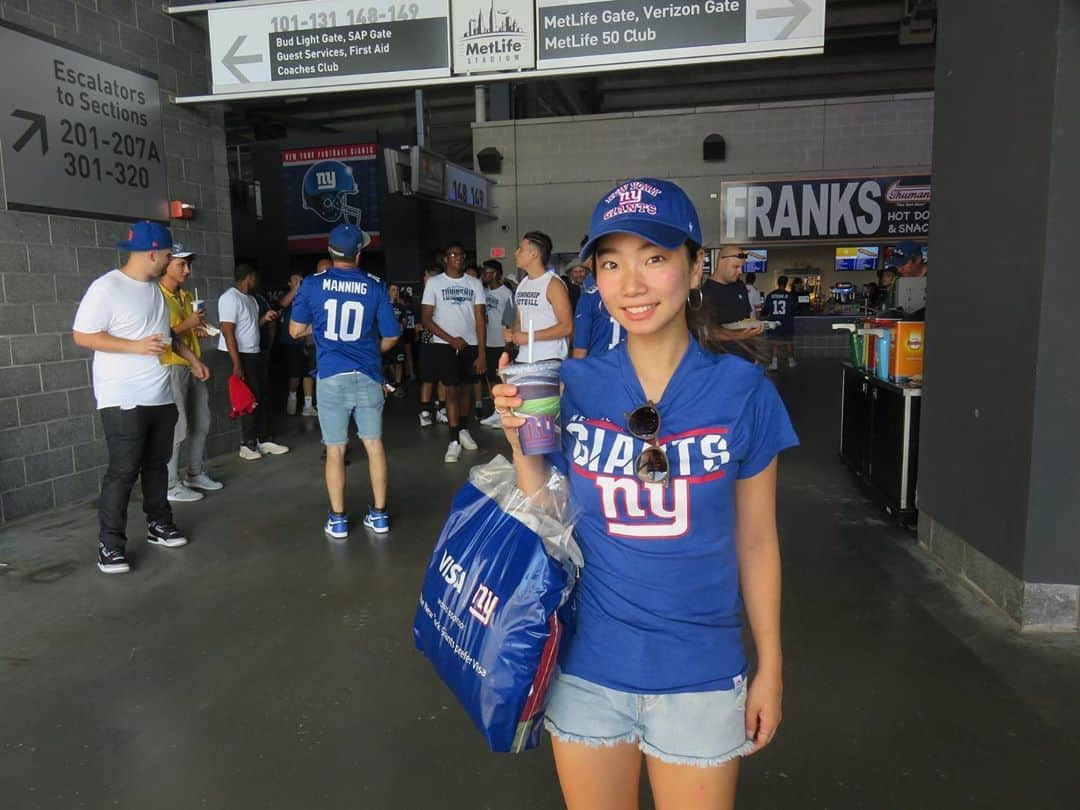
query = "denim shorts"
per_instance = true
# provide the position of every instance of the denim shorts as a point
(688, 728)
(349, 394)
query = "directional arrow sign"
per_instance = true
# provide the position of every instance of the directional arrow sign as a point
(37, 125)
(79, 135)
(795, 12)
(230, 60)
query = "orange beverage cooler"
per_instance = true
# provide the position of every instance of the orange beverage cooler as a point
(906, 351)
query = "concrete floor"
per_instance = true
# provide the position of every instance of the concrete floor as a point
(263, 667)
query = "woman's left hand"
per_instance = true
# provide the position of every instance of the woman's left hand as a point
(763, 710)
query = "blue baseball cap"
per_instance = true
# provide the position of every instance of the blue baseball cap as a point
(347, 240)
(905, 251)
(657, 210)
(145, 236)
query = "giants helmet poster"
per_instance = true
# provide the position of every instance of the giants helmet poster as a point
(326, 186)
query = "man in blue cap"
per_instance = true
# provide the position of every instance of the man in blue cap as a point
(908, 259)
(349, 314)
(123, 319)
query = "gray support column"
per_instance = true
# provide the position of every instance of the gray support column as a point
(999, 489)
(481, 104)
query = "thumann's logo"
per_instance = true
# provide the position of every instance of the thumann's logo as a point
(483, 605)
(494, 38)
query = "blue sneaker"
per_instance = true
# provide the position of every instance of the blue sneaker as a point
(337, 526)
(377, 520)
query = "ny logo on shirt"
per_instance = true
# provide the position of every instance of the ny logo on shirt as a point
(606, 454)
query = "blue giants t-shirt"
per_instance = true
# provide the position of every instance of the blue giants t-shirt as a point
(594, 328)
(658, 607)
(349, 312)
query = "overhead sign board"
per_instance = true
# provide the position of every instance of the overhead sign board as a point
(282, 48)
(79, 135)
(490, 37)
(293, 46)
(623, 33)
(893, 207)
(436, 178)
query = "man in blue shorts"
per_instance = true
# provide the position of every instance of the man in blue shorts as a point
(349, 314)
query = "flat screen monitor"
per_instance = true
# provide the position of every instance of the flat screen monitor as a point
(757, 260)
(863, 257)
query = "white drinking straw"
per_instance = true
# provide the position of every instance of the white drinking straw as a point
(532, 339)
(196, 293)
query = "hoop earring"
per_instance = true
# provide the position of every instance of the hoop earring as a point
(695, 303)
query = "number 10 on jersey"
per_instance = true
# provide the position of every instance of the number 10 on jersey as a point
(351, 323)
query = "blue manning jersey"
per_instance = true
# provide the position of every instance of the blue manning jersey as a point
(594, 328)
(657, 609)
(349, 312)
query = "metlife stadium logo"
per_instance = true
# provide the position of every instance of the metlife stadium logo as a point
(493, 35)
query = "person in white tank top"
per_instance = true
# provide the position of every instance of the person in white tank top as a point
(541, 297)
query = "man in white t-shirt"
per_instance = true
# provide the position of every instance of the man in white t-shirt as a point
(123, 319)
(753, 294)
(453, 311)
(238, 312)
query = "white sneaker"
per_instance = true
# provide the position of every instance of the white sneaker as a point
(773, 366)
(440, 417)
(181, 494)
(309, 410)
(425, 419)
(791, 362)
(467, 441)
(453, 453)
(272, 449)
(247, 454)
(203, 481)
(493, 421)
(290, 405)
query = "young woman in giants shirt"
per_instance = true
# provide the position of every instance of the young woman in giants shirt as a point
(671, 451)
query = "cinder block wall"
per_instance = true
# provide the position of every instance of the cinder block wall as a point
(554, 169)
(52, 450)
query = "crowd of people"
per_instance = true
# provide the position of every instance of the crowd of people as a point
(439, 334)
(670, 432)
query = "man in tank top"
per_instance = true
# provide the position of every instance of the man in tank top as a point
(541, 298)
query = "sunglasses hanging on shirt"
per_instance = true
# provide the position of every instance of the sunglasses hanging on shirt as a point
(651, 465)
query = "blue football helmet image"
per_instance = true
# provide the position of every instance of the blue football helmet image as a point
(327, 186)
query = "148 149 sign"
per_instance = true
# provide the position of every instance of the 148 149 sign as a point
(895, 207)
(469, 195)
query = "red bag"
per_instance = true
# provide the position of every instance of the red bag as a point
(240, 396)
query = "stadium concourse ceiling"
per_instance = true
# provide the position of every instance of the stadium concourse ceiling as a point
(871, 46)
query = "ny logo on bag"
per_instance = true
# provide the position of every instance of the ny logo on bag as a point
(483, 605)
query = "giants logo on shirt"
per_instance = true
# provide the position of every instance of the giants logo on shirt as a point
(606, 454)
